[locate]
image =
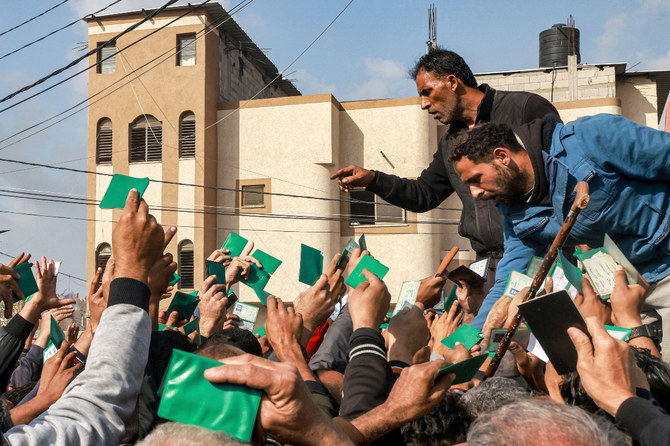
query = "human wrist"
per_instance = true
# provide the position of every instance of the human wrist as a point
(398, 351)
(31, 311)
(614, 401)
(629, 321)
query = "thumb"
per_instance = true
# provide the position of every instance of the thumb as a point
(582, 344)
(620, 282)
(369, 276)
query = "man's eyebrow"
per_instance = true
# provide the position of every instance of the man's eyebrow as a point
(473, 179)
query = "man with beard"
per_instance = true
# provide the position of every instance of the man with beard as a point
(531, 173)
(449, 92)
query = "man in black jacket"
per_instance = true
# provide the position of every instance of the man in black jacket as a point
(449, 92)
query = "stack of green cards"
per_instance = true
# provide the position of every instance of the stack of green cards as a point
(248, 314)
(466, 335)
(26, 283)
(311, 265)
(119, 187)
(184, 304)
(464, 370)
(374, 266)
(235, 244)
(228, 407)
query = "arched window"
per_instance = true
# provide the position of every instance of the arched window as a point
(146, 139)
(103, 141)
(187, 135)
(185, 264)
(102, 254)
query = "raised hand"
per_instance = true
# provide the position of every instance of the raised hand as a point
(137, 240)
(444, 325)
(626, 301)
(430, 290)
(591, 305)
(369, 302)
(407, 334)
(220, 256)
(213, 303)
(45, 299)
(353, 176)
(315, 304)
(9, 288)
(606, 366)
(335, 280)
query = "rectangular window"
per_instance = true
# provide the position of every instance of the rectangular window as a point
(253, 196)
(186, 50)
(367, 209)
(106, 58)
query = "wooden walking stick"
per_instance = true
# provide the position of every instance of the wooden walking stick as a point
(581, 201)
(446, 261)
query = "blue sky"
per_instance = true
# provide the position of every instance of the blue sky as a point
(364, 55)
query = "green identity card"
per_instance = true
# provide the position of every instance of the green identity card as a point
(184, 304)
(218, 270)
(56, 335)
(464, 370)
(175, 278)
(26, 283)
(407, 296)
(311, 265)
(119, 187)
(466, 335)
(362, 243)
(270, 264)
(515, 283)
(235, 244)
(229, 408)
(248, 314)
(372, 265)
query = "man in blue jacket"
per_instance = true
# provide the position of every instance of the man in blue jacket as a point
(531, 173)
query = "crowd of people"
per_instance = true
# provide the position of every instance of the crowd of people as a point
(334, 367)
(323, 381)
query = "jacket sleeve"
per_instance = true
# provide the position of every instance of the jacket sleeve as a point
(515, 258)
(645, 421)
(29, 368)
(93, 408)
(12, 338)
(420, 195)
(367, 380)
(333, 354)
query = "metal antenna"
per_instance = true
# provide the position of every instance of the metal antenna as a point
(432, 28)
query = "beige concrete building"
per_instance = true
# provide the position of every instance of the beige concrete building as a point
(192, 120)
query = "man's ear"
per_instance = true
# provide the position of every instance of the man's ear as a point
(451, 82)
(502, 156)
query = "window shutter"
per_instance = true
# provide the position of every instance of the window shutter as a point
(154, 143)
(186, 56)
(104, 142)
(187, 136)
(108, 65)
(186, 265)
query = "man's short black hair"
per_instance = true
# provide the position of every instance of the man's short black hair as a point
(478, 143)
(442, 63)
(237, 337)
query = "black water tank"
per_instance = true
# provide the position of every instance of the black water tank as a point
(556, 43)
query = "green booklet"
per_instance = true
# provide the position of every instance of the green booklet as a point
(248, 314)
(311, 265)
(184, 304)
(27, 283)
(119, 187)
(464, 370)
(600, 263)
(229, 408)
(466, 335)
(372, 265)
(234, 243)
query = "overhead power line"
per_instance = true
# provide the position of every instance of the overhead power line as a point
(60, 273)
(39, 39)
(32, 18)
(85, 56)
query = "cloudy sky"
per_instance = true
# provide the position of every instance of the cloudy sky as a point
(364, 55)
